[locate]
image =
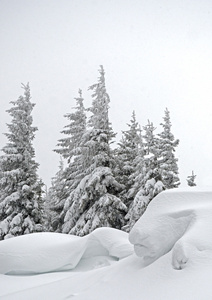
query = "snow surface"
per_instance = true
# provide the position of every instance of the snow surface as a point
(172, 259)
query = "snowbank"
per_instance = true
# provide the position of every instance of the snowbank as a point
(180, 220)
(173, 259)
(48, 252)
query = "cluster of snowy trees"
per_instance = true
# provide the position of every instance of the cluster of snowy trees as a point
(99, 183)
(105, 185)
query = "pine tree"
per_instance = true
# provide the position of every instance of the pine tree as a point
(74, 130)
(94, 202)
(191, 179)
(128, 150)
(21, 204)
(151, 176)
(67, 178)
(71, 147)
(139, 171)
(97, 140)
(167, 160)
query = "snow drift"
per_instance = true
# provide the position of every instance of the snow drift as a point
(48, 252)
(173, 259)
(177, 220)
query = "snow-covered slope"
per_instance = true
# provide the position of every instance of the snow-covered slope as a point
(173, 260)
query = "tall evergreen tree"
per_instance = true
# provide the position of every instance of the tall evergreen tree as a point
(21, 204)
(67, 178)
(168, 162)
(126, 153)
(72, 146)
(94, 202)
(97, 140)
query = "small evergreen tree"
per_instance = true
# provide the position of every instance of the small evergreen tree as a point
(21, 204)
(191, 179)
(168, 162)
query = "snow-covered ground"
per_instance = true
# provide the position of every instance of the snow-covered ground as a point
(172, 258)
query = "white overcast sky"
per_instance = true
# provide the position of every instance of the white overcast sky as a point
(156, 54)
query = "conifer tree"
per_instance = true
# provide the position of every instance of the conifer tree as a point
(127, 152)
(67, 178)
(56, 199)
(94, 202)
(151, 172)
(168, 162)
(154, 182)
(73, 131)
(97, 140)
(72, 146)
(21, 204)
(191, 179)
(137, 177)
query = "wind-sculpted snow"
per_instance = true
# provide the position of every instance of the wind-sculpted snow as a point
(48, 252)
(175, 220)
(175, 230)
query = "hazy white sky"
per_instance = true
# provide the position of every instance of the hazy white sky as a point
(156, 54)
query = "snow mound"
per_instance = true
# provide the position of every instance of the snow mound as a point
(48, 252)
(178, 220)
(176, 228)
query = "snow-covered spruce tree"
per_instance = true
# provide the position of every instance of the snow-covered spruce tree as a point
(97, 140)
(55, 200)
(67, 178)
(167, 161)
(151, 178)
(191, 179)
(128, 150)
(21, 204)
(148, 182)
(73, 131)
(75, 169)
(94, 202)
